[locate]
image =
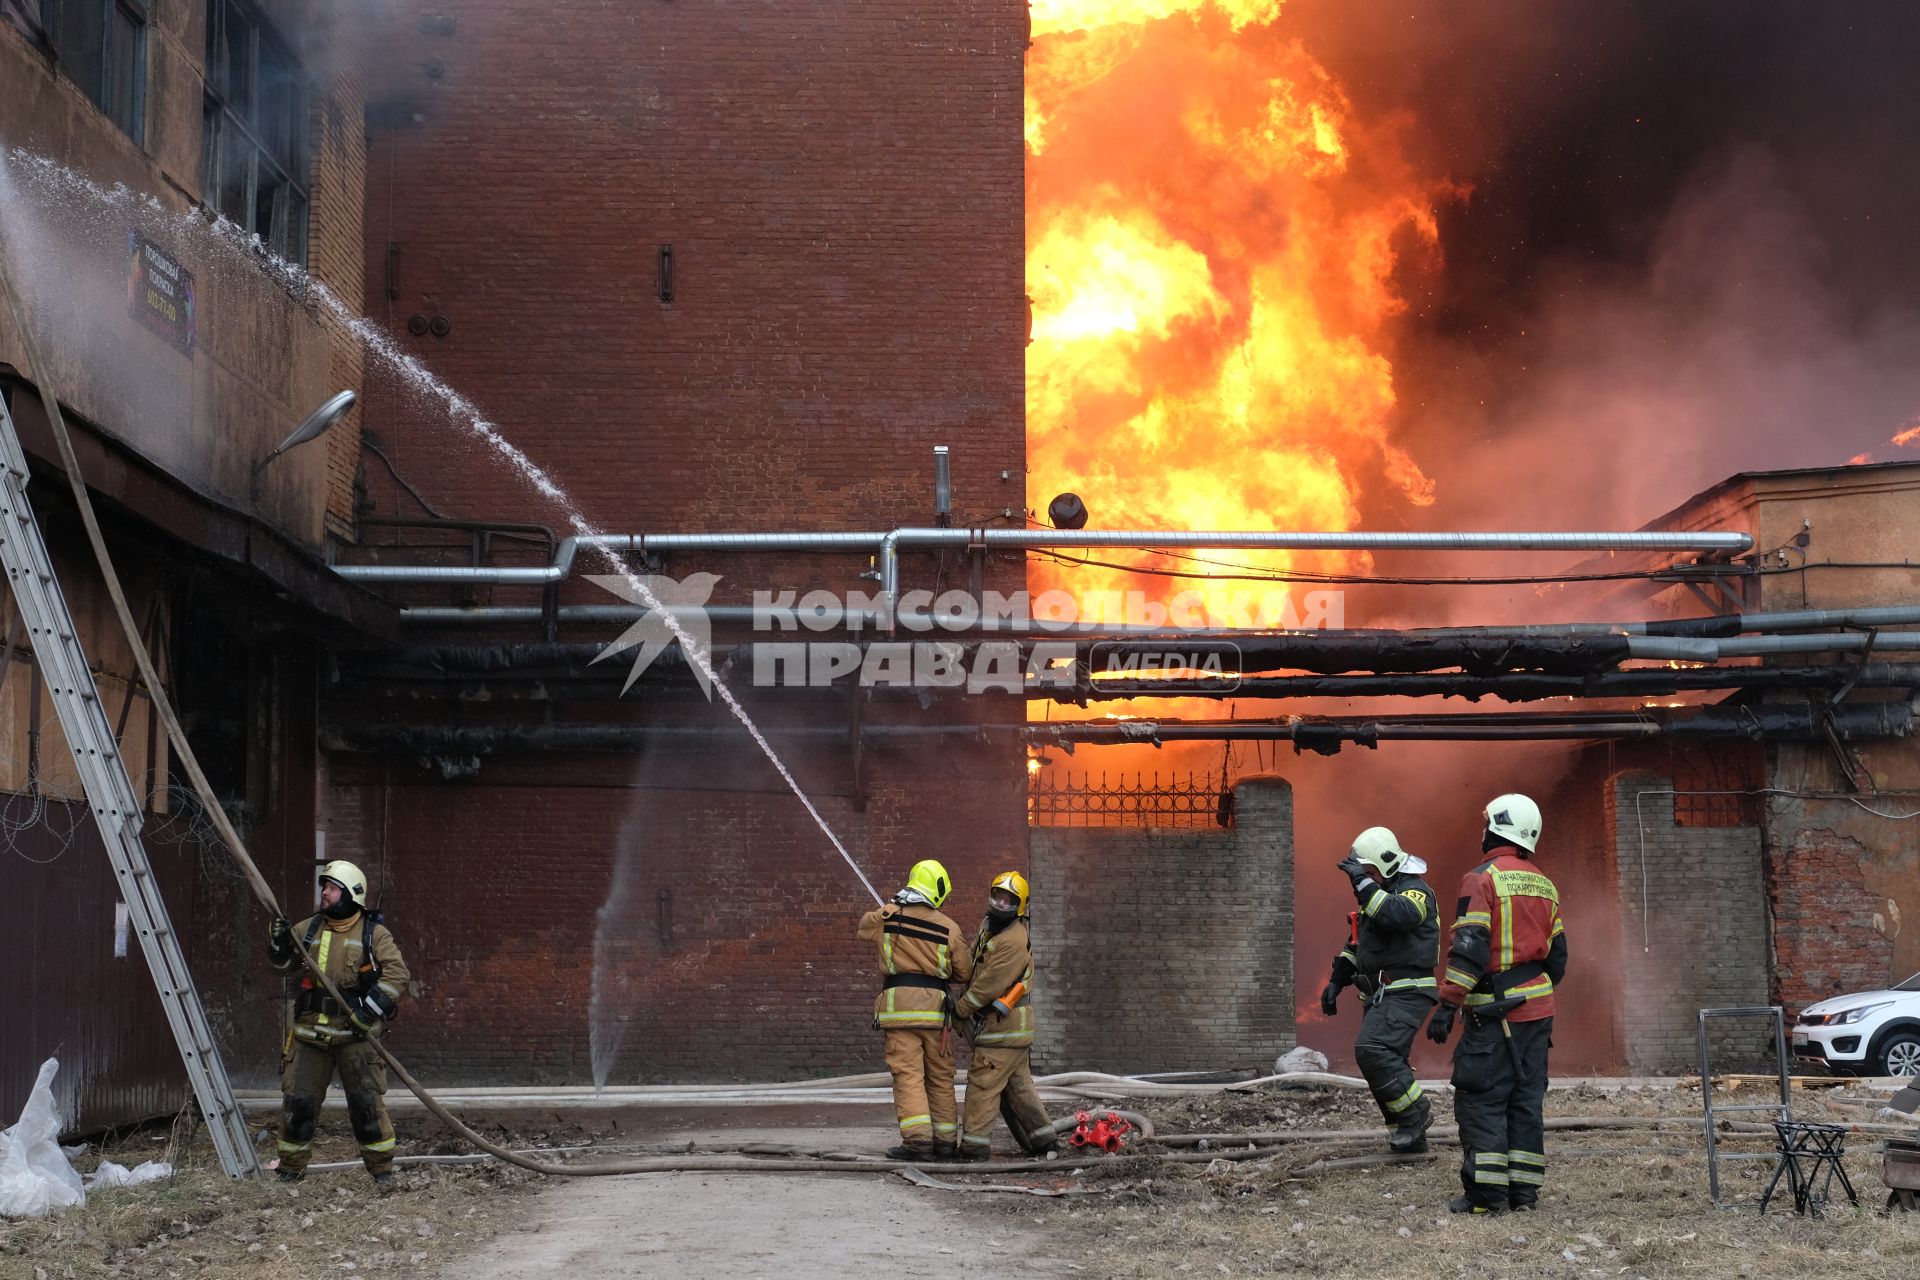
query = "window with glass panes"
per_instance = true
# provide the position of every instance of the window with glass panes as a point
(256, 143)
(101, 45)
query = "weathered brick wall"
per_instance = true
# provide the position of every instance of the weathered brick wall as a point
(842, 189)
(1166, 950)
(1693, 925)
(335, 45)
(1836, 875)
(691, 886)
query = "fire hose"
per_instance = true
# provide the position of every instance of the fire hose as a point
(1099, 1132)
(230, 837)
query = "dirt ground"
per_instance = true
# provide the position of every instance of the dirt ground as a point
(1619, 1202)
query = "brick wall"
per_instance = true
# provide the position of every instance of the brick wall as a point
(1166, 950)
(841, 187)
(690, 886)
(1694, 930)
(1835, 931)
(335, 44)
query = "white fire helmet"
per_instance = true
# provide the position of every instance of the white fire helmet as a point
(1514, 817)
(1377, 848)
(352, 881)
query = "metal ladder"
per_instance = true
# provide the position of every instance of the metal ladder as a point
(110, 794)
(1783, 1109)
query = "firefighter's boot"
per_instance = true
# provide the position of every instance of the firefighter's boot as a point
(912, 1151)
(1467, 1204)
(1409, 1137)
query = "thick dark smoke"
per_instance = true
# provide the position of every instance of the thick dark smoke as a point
(1688, 249)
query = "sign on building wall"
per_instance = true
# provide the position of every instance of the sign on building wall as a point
(160, 292)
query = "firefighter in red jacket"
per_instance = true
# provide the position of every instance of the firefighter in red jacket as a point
(1509, 952)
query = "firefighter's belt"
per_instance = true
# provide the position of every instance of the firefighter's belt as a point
(1503, 994)
(925, 980)
(317, 1001)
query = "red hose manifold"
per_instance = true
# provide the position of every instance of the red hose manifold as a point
(1107, 1132)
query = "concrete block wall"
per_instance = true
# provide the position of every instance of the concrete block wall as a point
(1166, 950)
(1693, 930)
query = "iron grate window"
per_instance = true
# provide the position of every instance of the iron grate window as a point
(1715, 784)
(257, 147)
(1069, 800)
(100, 45)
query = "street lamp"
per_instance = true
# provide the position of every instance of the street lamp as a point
(312, 429)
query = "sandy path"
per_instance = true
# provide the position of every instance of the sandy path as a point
(702, 1226)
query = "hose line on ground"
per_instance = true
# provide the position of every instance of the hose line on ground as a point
(183, 750)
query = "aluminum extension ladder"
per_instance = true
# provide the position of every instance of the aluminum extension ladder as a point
(110, 794)
(1782, 1110)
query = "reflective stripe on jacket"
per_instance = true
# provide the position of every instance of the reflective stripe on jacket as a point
(338, 947)
(1000, 960)
(1509, 918)
(914, 939)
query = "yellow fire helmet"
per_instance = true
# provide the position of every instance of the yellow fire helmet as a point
(1016, 884)
(352, 881)
(930, 880)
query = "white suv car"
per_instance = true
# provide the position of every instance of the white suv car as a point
(1873, 1033)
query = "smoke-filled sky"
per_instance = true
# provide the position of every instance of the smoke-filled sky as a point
(1687, 247)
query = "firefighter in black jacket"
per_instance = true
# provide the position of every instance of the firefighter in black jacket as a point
(1394, 944)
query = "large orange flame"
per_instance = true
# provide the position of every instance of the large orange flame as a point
(1212, 241)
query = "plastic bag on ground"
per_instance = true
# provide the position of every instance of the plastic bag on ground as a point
(1300, 1059)
(35, 1175)
(110, 1174)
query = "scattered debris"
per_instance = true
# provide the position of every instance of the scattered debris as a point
(920, 1179)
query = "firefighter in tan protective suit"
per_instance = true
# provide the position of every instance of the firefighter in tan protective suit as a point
(997, 1009)
(921, 953)
(356, 952)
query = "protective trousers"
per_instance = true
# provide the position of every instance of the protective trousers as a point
(922, 1087)
(1499, 1086)
(1386, 1037)
(363, 1076)
(999, 1082)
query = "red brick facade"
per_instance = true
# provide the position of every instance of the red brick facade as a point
(1827, 941)
(841, 188)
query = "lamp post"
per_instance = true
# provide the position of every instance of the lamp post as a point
(313, 428)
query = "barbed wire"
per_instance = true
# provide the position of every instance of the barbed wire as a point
(43, 811)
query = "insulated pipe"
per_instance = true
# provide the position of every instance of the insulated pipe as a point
(1719, 625)
(745, 614)
(1321, 734)
(1680, 649)
(729, 614)
(890, 543)
(1245, 540)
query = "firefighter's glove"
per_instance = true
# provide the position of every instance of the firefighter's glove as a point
(947, 1011)
(370, 1009)
(1330, 999)
(1356, 871)
(1440, 1025)
(280, 941)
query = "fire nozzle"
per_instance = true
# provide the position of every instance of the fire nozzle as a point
(1107, 1132)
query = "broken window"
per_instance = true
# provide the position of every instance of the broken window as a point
(257, 124)
(101, 45)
